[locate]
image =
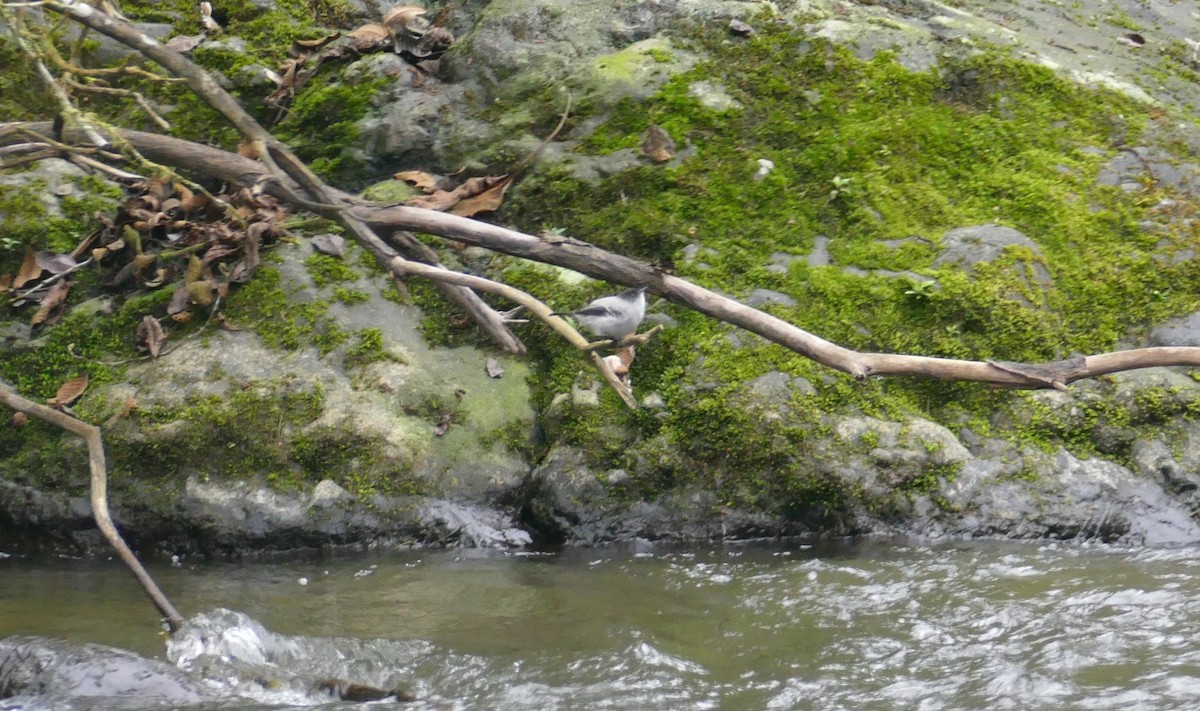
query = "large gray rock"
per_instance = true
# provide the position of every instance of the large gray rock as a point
(1061, 496)
(50, 673)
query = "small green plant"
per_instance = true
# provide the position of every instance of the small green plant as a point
(921, 290)
(841, 186)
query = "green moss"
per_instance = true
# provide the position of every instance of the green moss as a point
(350, 297)
(22, 96)
(243, 434)
(352, 462)
(84, 341)
(882, 161)
(263, 305)
(326, 269)
(369, 349)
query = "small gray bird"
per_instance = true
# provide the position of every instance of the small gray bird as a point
(612, 317)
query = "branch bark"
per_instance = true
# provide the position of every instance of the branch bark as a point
(99, 493)
(278, 158)
(600, 264)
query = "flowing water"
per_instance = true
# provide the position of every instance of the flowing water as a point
(863, 626)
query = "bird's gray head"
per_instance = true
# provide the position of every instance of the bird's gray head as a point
(632, 294)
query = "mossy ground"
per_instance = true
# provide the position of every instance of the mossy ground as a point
(882, 161)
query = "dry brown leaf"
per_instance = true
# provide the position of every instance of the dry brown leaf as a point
(160, 276)
(738, 27)
(369, 36)
(406, 16)
(179, 301)
(29, 269)
(486, 201)
(5, 283)
(19, 419)
(318, 42)
(443, 424)
(157, 188)
(182, 316)
(201, 292)
(425, 182)
(194, 269)
(70, 391)
(190, 201)
(150, 334)
(99, 253)
(52, 306)
(141, 261)
(86, 243)
(658, 146)
(184, 43)
(331, 244)
(227, 325)
(131, 405)
(246, 149)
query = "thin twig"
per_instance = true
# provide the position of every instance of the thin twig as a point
(50, 280)
(117, 91)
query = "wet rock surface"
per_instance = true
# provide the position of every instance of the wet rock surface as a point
(49, 673)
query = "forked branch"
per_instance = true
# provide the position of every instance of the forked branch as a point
(99, 493)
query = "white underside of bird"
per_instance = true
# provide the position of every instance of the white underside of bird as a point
(613, 317)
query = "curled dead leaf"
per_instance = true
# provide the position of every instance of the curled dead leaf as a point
(52, 305)
(70, 391)
(425, 182)
(150, 335)
(369, 37)
(201, 292)
(658, 146)
(331, 244)
(247, 149)
(179, 301)
(443, 424)
(160, 276)
(19, 419)
(141, 261)
(473, 196)
(194, 269)
(739, 27)
(487, 201)
(184, 43)
(318, 42)
(407, 17)
(130, 406)
(435, 41)
(158, 187)
(190, 201)
(29, 269)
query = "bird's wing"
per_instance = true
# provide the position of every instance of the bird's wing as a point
(595, 310)
(598, 309)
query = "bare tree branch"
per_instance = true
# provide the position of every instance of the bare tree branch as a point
(600, 264)
(99, 493)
